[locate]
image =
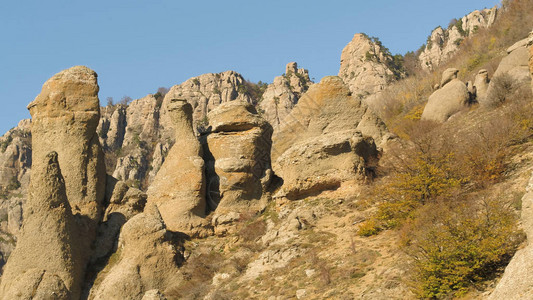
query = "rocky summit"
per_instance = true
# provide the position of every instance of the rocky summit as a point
(404, 177)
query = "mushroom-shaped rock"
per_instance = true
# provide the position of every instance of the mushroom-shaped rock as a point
(178, 189)
(448, 75)
(237, 154)
(481, 83)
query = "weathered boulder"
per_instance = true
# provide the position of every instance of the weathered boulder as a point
(280, 96)
(517, 280)
(146, 259)
(511, 75)
(446, 101)
(237, 154)
(324, 162)
(48, 262)
(322, 129)
(481, 83)
(64, 119)
(366, 66)
(448, 75)
(178, 189)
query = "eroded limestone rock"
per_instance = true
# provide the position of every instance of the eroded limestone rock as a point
(365, 66)
(146, 259)
(64, 119)
(280, 97)
(237, 154)
(443, 43)
(49, 261)
(325, 129)
(451, 98)
(178, 189)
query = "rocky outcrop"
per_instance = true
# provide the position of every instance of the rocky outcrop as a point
(517, 280)
(280, 97)
(48, 261)
(64, 119)
(512, 75)
(481, 83)
(452, 97)
(327, 128)
(206, 92)
(443, 43)
(15, 155)
(146, 259)
(324, 162)
(124, 202)
(15, 162)
(178, 189)
(237, 154)
(367, 66)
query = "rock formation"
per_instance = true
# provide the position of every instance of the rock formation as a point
(443, 43)
(64, 119)
(280, 97)
(237, 154)
(178, 189)
(15, 155)
(511, 75)
(448, 75)
(529, 45)
(331, 129)
(124, 202)
(48, 261)
(366, 66)
(206, 92)
(146, 259)
(517, 281)
(481, 83)
(452, 97)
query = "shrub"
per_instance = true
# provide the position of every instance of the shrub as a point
(458, 243)
(503, 85)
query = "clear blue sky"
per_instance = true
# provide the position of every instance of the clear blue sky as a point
(137, 46)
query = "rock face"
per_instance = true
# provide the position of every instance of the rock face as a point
(64, 119)
(56, 272)
(517, 281)
(452, 97)
(366, 66)
(15, 155)
(137, 136)
(178, 189)
(146, 259)
(124, 203)
(280, 97)
(513, 70)
(443, 43)
(237, 154)
(328, 128)
(206, 92)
